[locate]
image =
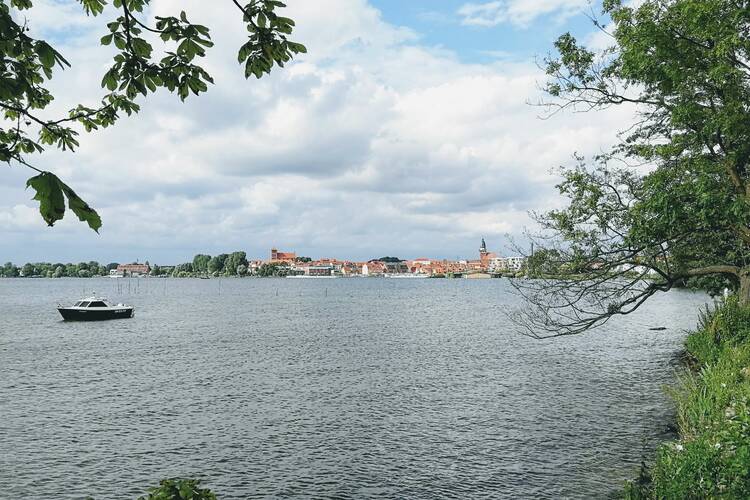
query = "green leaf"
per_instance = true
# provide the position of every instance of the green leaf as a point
(46, 54)
(297, 47)
(82, 209)
(51, 193)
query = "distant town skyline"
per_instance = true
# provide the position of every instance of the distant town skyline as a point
(279, 263)
(259, 254)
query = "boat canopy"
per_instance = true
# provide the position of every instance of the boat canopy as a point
(92, 302)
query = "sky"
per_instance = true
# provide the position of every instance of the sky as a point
(406, 130)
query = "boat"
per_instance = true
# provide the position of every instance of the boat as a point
(95, 309)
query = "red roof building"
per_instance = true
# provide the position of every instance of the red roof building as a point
(133, 269)
(277, 256)
(373, 268)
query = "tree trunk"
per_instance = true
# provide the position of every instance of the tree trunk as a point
(744, 291)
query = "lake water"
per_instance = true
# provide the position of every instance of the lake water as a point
(348, 388)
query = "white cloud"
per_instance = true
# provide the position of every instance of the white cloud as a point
(518, 12)
(371, 144)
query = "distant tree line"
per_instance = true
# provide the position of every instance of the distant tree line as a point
(202, 265)
(232, 264)
(57, 270)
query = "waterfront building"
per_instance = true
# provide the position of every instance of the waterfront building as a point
(506, 264)
(134, 269)
(319, 271)
(497, 265)
(515, 263)
(396, 268)
(421, 265)
(351, 269)
(436, 268)
(373, 268)
(477, 265)
(297, 271)
(334, 264)
(455, 267)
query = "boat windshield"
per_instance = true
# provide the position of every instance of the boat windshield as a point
(78, 304)
(97, 304)
(83, 304)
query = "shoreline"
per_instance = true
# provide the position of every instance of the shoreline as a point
(709, 454)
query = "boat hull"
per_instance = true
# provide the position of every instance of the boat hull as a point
(75, 314)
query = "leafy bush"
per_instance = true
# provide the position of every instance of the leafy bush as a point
(711, 459)
(179, 489)
(726, 325)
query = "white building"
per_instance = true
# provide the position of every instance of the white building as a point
(506, 264)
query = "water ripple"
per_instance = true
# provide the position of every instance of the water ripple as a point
(337, 389)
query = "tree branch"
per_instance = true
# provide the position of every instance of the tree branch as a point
(709, 270)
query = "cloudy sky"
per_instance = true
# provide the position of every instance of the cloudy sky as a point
(405, 131)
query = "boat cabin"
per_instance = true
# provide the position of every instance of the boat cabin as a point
(90, 303)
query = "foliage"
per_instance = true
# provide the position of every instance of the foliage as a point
(28, 64)
(57, 270)
(179, 489)
(274, 269)
(390, 259)
(544, 262)
(9, 270)
(233, 262)
(216, 264)
(711, 459)
(182, 270)
(200, 263)
(671, 201)
(724, 326)
(27, 270)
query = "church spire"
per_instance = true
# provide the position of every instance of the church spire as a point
(483, 248)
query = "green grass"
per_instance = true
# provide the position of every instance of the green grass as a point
(711, 458)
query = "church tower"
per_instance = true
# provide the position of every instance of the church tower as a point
(484, 255)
